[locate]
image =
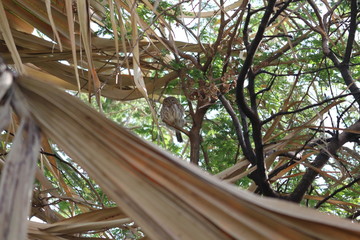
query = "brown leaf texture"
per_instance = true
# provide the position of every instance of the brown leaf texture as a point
(17, 176)
(167, 197)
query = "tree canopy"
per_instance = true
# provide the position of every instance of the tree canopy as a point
(270, 90)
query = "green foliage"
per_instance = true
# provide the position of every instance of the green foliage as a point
(220, 140)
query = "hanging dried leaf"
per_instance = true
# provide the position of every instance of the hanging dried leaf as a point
(9, 40)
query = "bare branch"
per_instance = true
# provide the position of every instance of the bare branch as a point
(352, 30)
(337, 191)
(239, 131)
(304, 108)
(321, 160)
(259, 176)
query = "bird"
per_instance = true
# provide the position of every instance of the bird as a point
(172, 114)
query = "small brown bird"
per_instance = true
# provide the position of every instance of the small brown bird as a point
(172, 114)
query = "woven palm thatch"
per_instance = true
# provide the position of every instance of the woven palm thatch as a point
(166, 197)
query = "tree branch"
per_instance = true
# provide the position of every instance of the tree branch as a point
(352, 30)
(321, 160)
(278, 12)
(281, 51)
(231, 40)
(259, 176)
(304, 108)
(175, 50)
(249, 59)
(238, 129)
(344, 65)
(354, 215)
(337, 191)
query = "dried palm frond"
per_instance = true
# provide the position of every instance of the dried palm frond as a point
(166, 197)
(95, 62)
(169, 198)
(17, 176)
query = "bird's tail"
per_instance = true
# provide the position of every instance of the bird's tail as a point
(178, 136)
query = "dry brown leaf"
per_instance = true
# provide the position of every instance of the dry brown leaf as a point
(52, 23)
(70, 20)
(166, 196)
(6, 33)
(17, 176)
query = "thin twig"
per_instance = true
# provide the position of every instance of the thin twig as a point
(337, 191)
